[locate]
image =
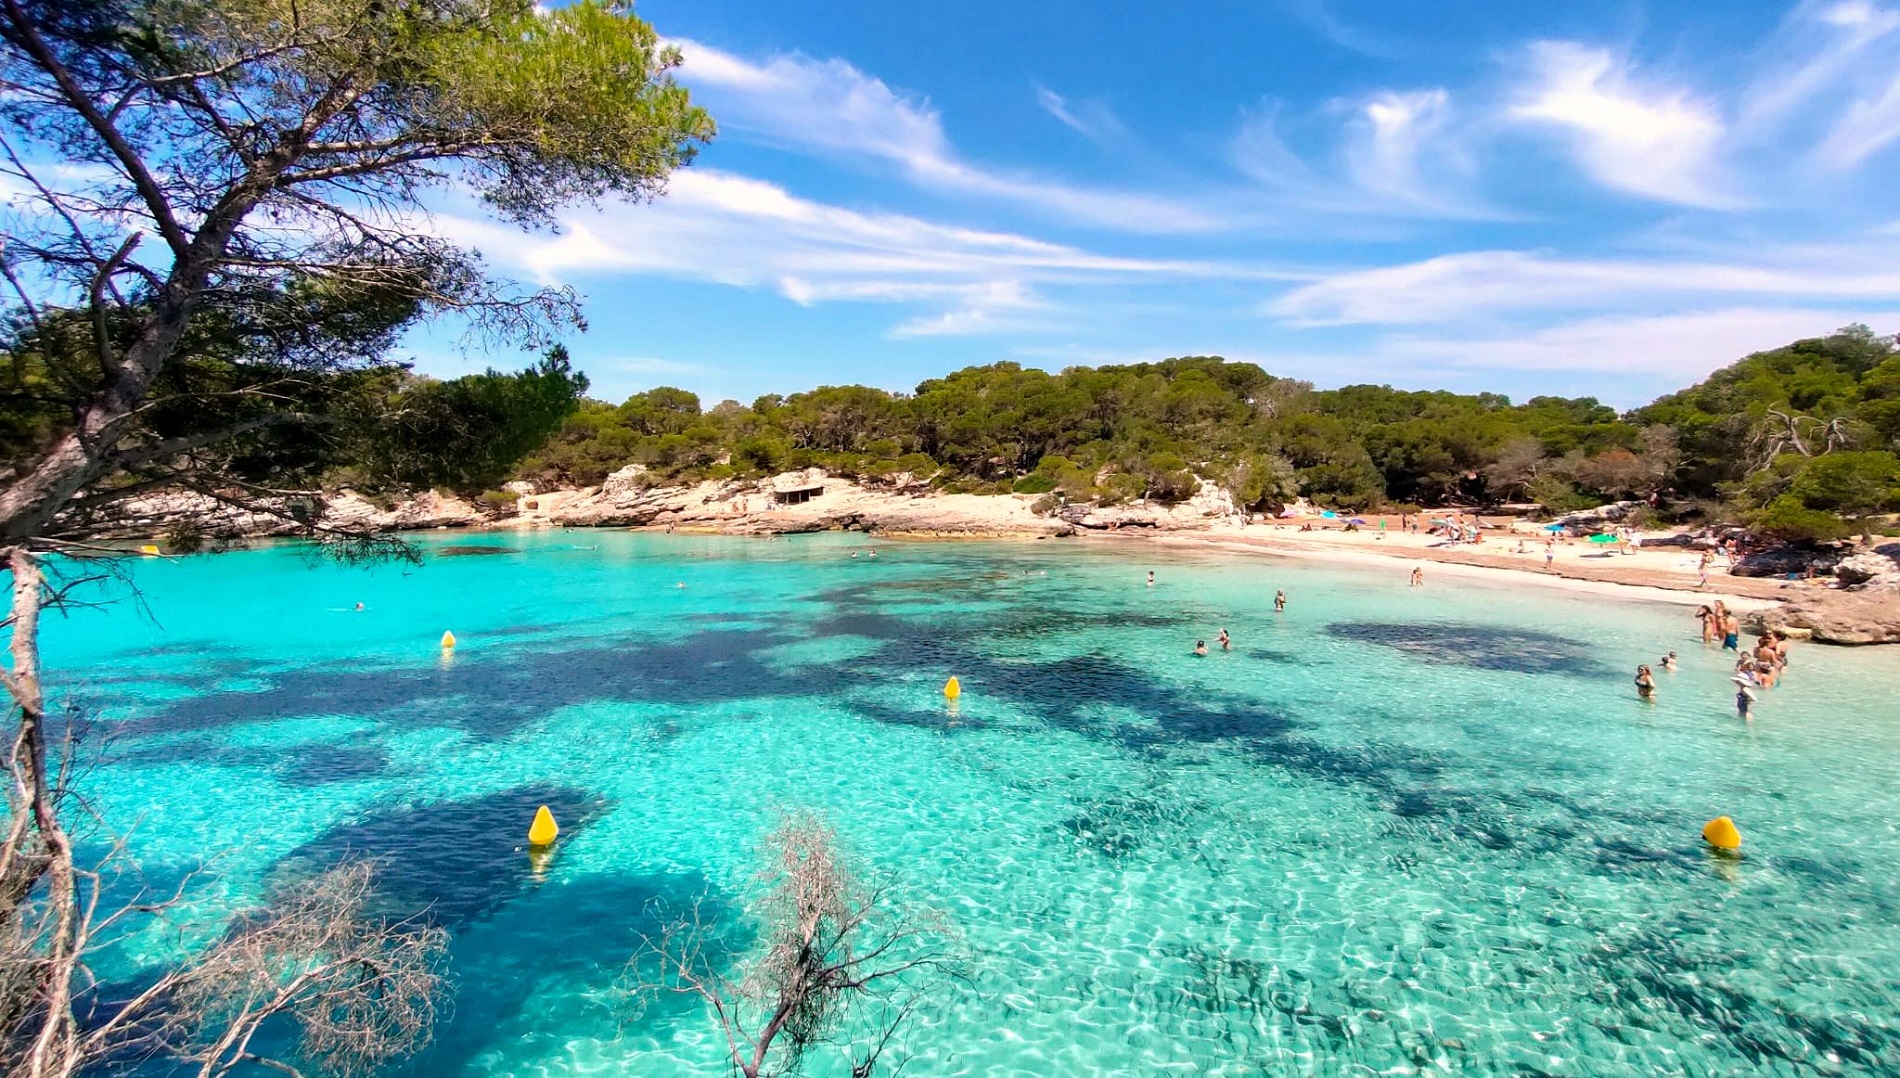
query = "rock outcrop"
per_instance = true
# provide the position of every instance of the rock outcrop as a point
(1209, 506)
(1877, 569)
(1840, 617)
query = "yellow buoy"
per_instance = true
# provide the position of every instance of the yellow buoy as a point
(543, 830)
(951, 689)
(148, 549)
(448, 639)
(1721, 833)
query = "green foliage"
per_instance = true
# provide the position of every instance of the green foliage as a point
(1787, 518)
(467, 434)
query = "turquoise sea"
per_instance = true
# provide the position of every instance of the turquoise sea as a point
(1394, 831)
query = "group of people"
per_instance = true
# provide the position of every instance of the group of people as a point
(1225, 641)
(1759, 667)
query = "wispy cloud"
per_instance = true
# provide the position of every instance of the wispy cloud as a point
(830, 107)
(734, 230)
(1657, 141)
(1400, 154)
(1408, 149)
(1094, 120)
(1489, 283)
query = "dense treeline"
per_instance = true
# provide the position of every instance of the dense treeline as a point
(252, 407)
(1799, 437)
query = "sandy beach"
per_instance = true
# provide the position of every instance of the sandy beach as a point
(1665, 574)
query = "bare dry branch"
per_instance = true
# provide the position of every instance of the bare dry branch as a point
(834, 948)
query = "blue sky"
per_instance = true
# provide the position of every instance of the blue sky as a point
(1606, 199)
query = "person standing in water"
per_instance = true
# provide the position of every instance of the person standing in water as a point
(1669, 662)
(1731, 632)
(1279, 602)
(1151, 578)
(1645, 684)
(1418, 577)
(1707, 618)
(1226, 642)
(1744, 700)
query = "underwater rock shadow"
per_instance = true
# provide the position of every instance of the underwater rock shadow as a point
(1477, 647)
(493, 695)
(571, 938)
(449, 861)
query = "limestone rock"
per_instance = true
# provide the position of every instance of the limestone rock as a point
(1878, 568)
(1611, 513)
(1840, 617)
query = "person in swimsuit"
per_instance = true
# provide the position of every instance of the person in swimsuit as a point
(1279, 601)
(1151, 578)
(1645, 684)
(1707, 617)
(1550, 555)
(1418, 577)
(1226, 642)
(1200, 647)
(1731, 633)
(1765, 660)
(1669, 662)
(1744, 701)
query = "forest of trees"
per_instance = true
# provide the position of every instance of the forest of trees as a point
(1799, 440)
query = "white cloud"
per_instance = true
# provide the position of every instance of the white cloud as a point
(831, 108)
(1672, 349)
(1869, 126)
(1094, 120)
(1407, 150)
(1460, 286)
(1834, 71)
(1655, 142)
(734, 230)
(1824, 46)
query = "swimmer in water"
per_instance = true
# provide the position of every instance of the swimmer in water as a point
(1226, 642)
(359, 606)
(1151, 578)
(1200, 647)
(1279, 601)
(1645, 684)
(1669, 662)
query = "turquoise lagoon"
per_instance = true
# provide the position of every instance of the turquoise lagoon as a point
(1394, 831)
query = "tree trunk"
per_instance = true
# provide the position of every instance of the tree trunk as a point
(54, 1049)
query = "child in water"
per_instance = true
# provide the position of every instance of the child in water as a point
(1669, 662)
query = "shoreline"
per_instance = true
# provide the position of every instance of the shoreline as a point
(1512, 551)
(1658, 592)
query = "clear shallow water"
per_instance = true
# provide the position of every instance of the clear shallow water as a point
(1393, 831)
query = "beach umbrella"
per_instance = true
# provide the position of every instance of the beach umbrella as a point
(1553, 527)
(1440, 520)
(1357, 520)
(1603, 537)
(1330, 515)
